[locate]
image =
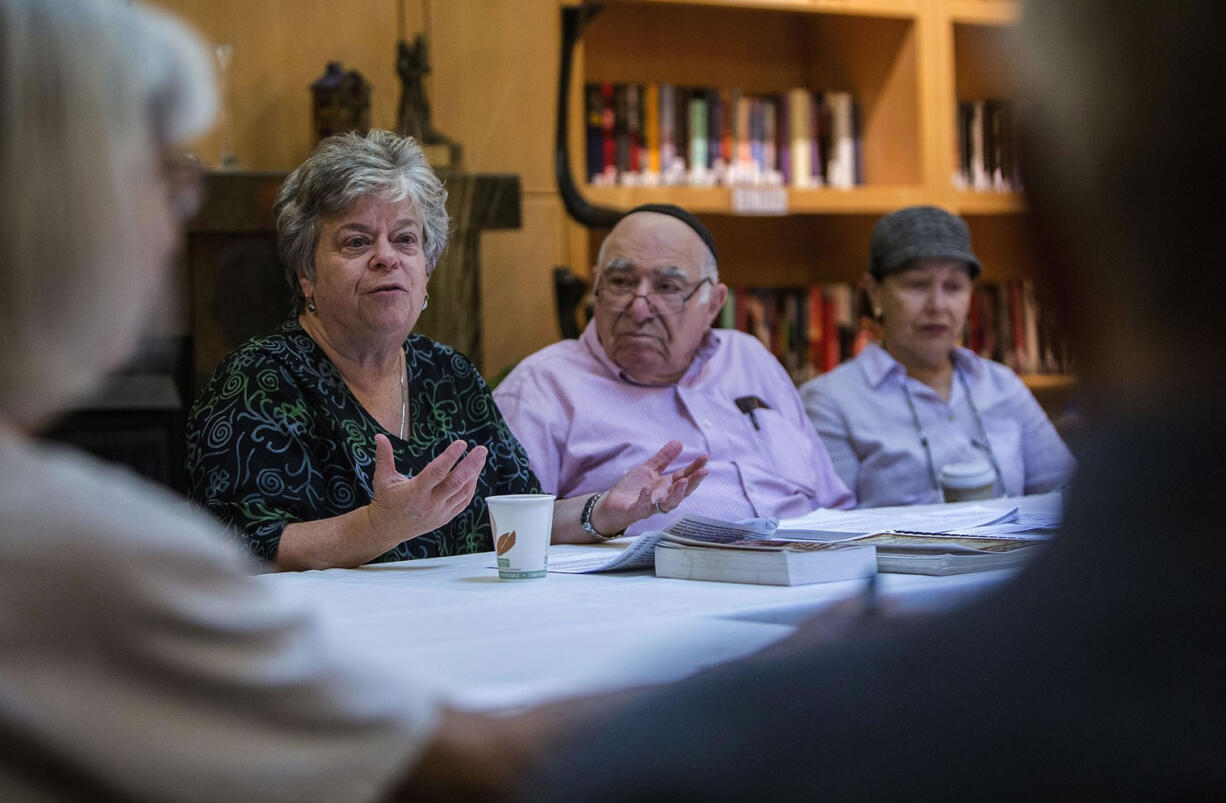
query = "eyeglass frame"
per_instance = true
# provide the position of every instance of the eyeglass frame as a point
(647, 297)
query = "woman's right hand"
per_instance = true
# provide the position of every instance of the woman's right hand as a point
(406, 507)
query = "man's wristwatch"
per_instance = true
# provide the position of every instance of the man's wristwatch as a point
(586, 520)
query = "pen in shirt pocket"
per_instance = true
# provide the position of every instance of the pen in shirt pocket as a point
(747, 405)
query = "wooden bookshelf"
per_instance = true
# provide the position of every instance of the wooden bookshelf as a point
(907, 62)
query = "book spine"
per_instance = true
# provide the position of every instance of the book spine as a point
(816, 329)
(727, 122)
(607, 127)
(783, 145)
(757, 147)
(799, 138)
(621, 130)
(743, 139)
(682, 130)
(594, 129)
(715, 122)
(979, 168)
(634, 126)
(770, 123)
(651, 128)
(698, 131)
(668, 126)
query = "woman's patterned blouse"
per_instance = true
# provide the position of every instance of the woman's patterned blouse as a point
(276, 437)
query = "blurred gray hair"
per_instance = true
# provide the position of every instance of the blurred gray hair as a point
(343, 170)
(91, 94)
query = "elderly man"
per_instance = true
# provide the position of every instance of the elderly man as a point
(650, 368)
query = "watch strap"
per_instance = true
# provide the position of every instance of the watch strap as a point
(585, 519)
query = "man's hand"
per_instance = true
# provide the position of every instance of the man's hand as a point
(646, 490)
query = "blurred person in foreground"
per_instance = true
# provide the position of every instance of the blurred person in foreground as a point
(138, 657)
(650, 366)
(1097, 671)
(901, 411)
(343, 438)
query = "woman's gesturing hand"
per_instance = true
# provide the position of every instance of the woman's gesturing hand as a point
(646, 490)
(406, 507)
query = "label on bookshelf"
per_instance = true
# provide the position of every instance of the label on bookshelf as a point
(760, 200)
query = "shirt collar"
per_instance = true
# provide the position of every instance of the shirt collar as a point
(591, 340)
(878, 365)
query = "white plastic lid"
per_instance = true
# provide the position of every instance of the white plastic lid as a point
(967, 474)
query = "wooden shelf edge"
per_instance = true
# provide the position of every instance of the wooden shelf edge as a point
(866, 200)
(985, 12)
(1050, 381)
(972, 202)
(861, 8)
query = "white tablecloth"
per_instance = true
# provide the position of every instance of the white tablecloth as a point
(483, 643)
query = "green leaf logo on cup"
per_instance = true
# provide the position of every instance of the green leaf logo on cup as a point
(522, 541)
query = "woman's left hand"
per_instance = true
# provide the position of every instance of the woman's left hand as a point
(646, 490)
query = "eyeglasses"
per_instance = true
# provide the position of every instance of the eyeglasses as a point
(617, 293)
(184, 176)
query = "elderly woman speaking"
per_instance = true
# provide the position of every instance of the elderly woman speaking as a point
(342, 438)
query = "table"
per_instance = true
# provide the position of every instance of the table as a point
(481, 643)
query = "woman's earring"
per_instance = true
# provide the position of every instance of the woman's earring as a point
(310, 303)
(425, 302)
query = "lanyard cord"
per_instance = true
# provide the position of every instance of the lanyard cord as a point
(982, 442)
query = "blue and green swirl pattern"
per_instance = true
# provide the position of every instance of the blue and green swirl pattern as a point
(276, 437)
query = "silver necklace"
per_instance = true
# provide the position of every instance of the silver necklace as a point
(404, 396)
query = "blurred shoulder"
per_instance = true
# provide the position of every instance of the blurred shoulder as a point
(62, 505)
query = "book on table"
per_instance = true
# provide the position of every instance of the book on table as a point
(947, 553)
(698, 548)
(767, 562)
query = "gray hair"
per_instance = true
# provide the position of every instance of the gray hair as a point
(708, 269)
(91, 94)
(342, 171)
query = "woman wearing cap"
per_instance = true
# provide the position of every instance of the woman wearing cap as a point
(343, 438)
(902, 410)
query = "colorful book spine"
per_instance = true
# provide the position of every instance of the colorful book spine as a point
(698, 131)
(800, 138)
(593, 122)
(668, 126)
(651, 128)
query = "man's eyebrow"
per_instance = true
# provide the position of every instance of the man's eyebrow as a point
(661, 272)
(670, 272)
(619, 263)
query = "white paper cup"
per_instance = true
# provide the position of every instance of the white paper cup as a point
(972, 479)
(521, 525)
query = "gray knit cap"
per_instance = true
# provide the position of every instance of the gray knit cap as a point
(919, 232)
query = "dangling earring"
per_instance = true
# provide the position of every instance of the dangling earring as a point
(310, 303)
(425, 302)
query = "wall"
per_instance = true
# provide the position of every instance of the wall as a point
(493, 89)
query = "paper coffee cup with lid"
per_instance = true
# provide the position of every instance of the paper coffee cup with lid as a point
(966, 480)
